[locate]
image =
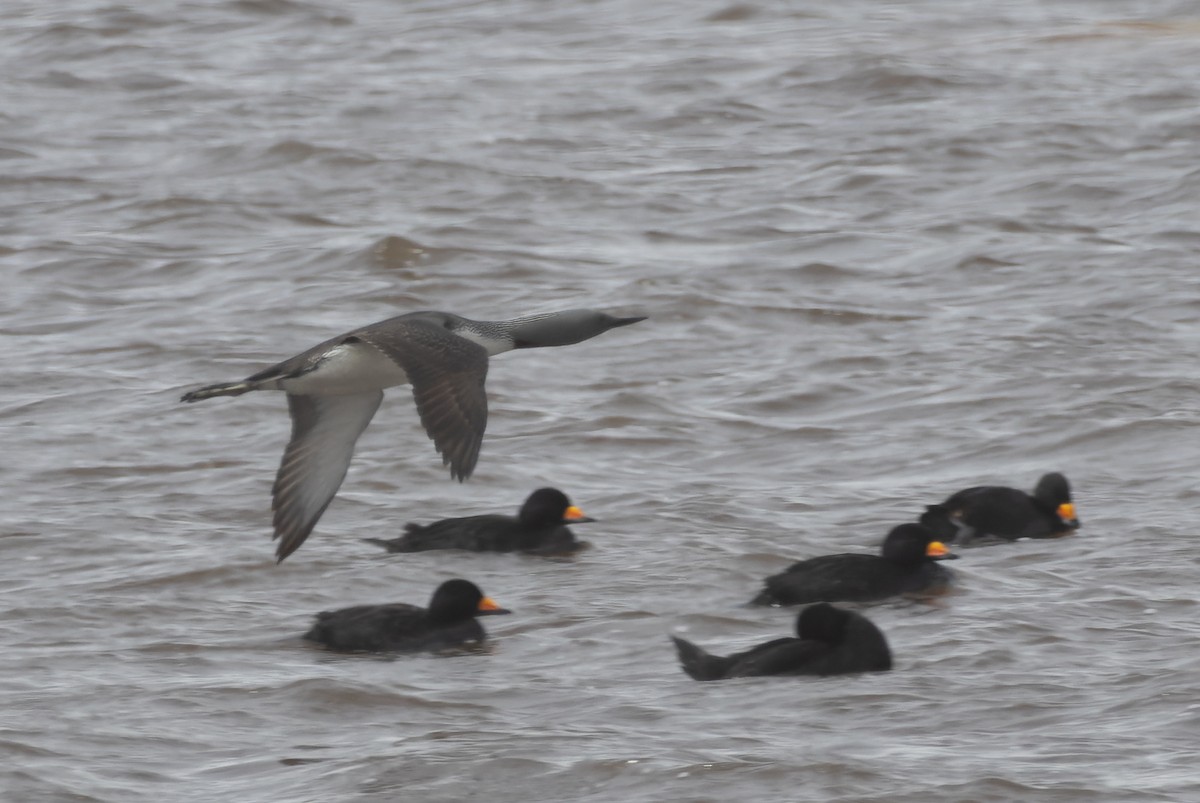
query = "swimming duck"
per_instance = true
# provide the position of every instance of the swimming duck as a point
(991, 512)
(906, 564)
(829, 641)
(449, 621)
(539, 527)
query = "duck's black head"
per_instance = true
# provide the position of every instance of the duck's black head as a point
(822, 622)
(1054, 492)
(459, 600)
(911, 544)
(549, 507)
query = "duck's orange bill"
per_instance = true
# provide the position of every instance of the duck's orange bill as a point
(1066, 511)
(936, 549)
(573, 514)
(489, 604)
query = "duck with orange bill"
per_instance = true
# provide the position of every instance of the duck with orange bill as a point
(908, 564)
(991, 513)
(449, 621)
(540, 527)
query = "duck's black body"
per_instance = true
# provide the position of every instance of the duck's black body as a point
(992, 513)
(907, 564)
(540, 527)
(829, 641)
(449, 621)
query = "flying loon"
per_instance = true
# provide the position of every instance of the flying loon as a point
(334, 388)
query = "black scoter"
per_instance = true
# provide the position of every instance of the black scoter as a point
(990, 513)
(539, 527)
(829, 641)
(449, 621)
(907, 564)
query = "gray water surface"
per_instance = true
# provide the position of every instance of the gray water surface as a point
(888, 250)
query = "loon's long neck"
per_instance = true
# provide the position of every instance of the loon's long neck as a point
(539, 331)
(495, 336)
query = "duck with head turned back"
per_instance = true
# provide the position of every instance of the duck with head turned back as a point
(335, 387)
(906, 565)
(991, 513)
(540, 527)
(829, 641)
(449, 621)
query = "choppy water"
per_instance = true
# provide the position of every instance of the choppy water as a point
(888, 250)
